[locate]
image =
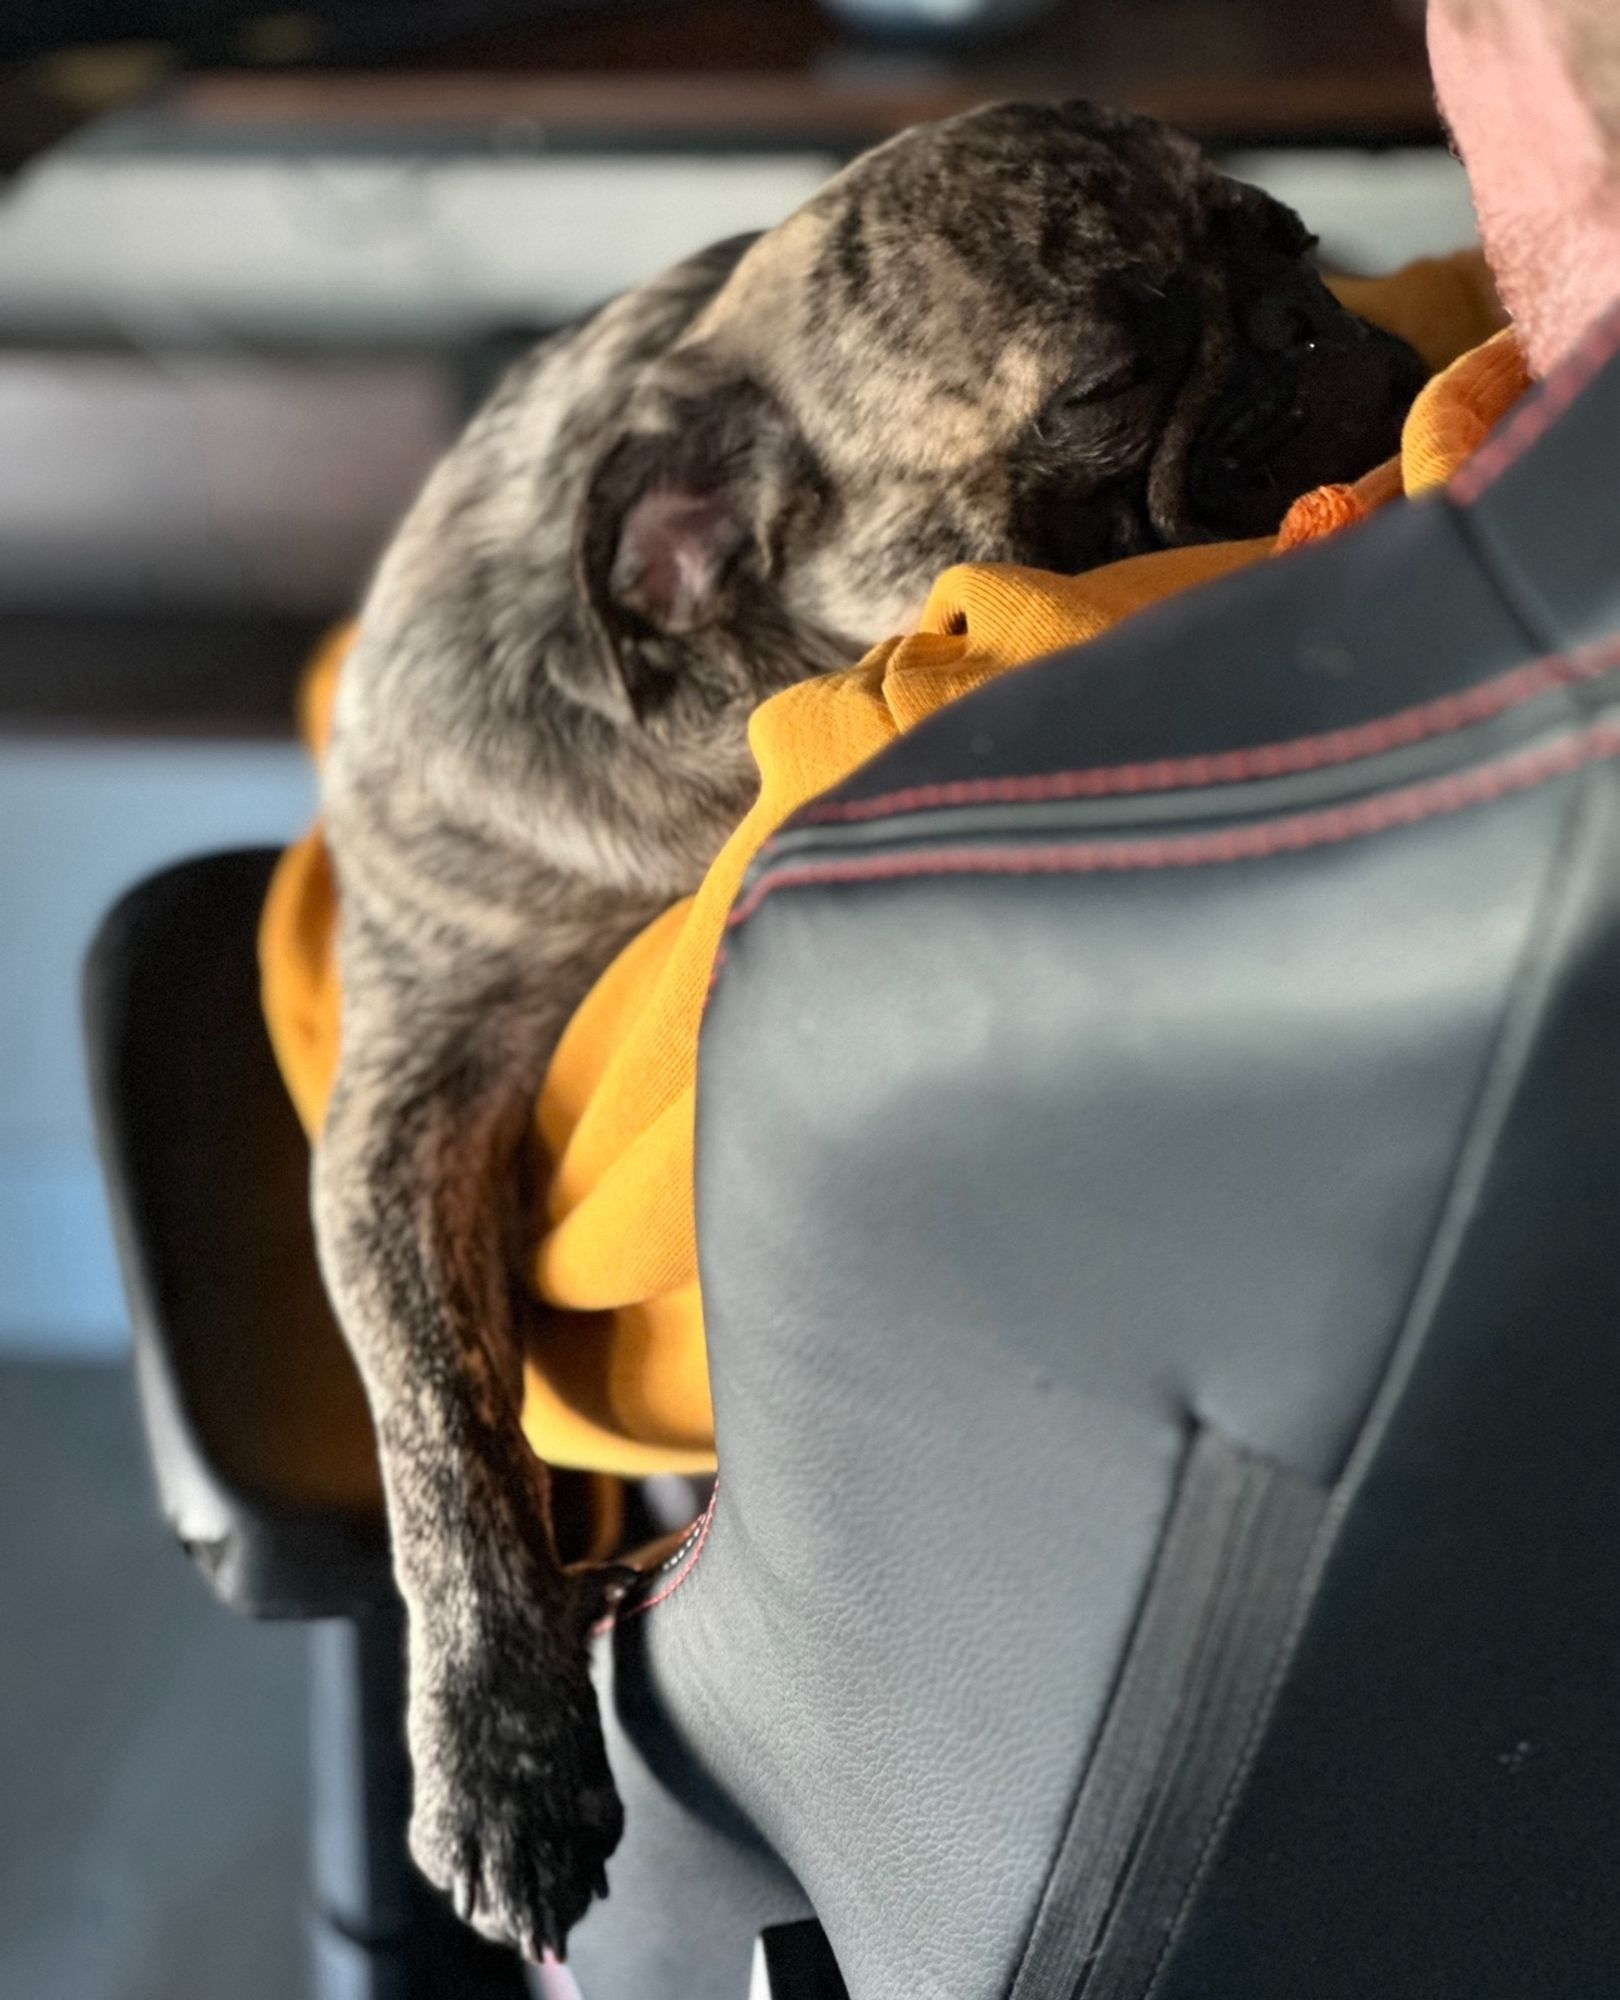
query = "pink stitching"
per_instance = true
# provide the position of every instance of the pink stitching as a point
(1268, 760)
(686, 1560)
(1533, 419)
(1404, 807)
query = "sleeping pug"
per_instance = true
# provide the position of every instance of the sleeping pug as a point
(1050, 335)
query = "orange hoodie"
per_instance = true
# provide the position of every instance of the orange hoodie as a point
(619, 1381)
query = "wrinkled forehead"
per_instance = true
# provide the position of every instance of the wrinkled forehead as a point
(939, 285)
(1060, 185)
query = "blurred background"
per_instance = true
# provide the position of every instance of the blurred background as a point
(256, 264)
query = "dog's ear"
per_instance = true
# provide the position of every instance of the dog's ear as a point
(675, 523)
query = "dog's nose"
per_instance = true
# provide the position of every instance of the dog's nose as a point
(1280, 326)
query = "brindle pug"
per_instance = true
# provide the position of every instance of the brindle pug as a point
(1049, 335)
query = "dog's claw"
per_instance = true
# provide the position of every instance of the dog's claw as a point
(464, 1891)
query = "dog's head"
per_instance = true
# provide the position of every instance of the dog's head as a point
(1052, 335)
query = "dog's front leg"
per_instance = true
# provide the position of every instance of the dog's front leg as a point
(416, 1196)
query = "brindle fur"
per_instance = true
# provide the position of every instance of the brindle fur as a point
(1051, 335)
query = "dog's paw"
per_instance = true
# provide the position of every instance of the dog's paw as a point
(515, 1813)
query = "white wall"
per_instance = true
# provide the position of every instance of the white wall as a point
(426, 247)
(432, 247)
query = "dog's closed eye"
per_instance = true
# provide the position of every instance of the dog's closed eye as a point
(1101, 385)
(1149, 342)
